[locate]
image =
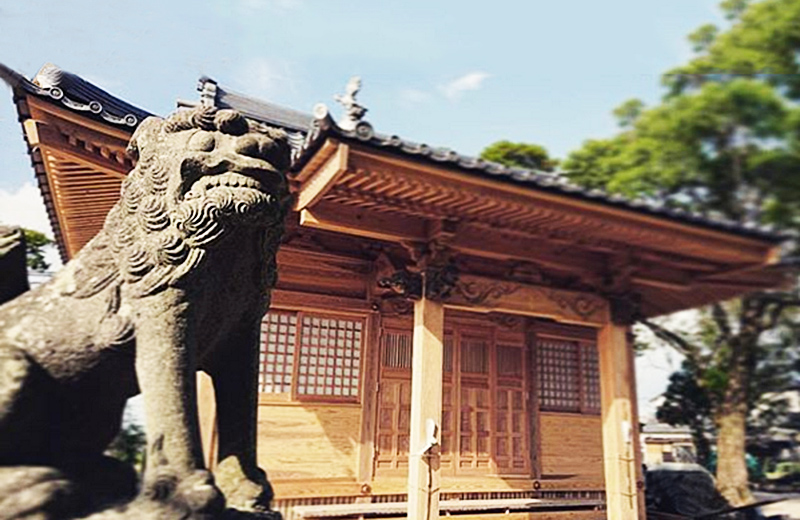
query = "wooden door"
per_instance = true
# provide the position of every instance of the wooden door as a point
(485, 426)
(512, 446)
(394, 403)
(474, 406)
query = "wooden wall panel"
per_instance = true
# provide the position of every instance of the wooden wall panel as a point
(571, 447)
(314, 272)
(309, 441)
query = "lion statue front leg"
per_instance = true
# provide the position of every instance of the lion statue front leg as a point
(244, 484)
(165, 367)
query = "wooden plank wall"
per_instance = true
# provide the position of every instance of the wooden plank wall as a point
(308, 441)
(571, 449)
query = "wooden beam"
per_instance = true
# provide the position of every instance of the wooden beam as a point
(481, 294)
(488, 243)
(622, 467)
(295, 300)
(364, 223)
(470, 240)
(38, 109)
(323, 179)
(63, 150)
(426, 410)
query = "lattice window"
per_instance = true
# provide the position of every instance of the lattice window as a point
(278, 341)
(310, 355)
(509, 361)
(590, 377)
(559, 375)
(396, 351)
(568, 376)
(474, 356)
(447, 361)
(330, 357)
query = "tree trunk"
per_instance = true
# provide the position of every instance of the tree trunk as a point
(732, 479)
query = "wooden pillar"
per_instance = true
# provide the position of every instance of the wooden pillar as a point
(621, 457)
(207, 415)
(426, 409)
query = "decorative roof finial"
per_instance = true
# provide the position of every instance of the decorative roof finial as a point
(208, 91)
(353, 112)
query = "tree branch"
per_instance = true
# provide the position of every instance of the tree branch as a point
(721, 319)
(674, 340)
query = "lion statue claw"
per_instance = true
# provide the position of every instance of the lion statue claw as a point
(176, 281)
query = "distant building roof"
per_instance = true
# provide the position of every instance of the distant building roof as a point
(662, 428)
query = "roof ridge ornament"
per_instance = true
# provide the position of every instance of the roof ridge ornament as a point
(353, 111)
(208, 91)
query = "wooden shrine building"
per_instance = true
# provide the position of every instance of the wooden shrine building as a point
(444, 331)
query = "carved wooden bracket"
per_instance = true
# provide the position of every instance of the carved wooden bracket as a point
(625, 308)
(437, 282)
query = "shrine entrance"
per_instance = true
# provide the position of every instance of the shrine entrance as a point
(488, 418)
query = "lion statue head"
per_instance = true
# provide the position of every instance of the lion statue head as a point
(200, 176)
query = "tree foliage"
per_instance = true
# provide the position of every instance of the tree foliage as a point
(686, 403)
(723, 142)
(35, 242)
(520, 155)
(129, 445)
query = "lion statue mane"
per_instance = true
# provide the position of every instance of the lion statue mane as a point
(176, 281)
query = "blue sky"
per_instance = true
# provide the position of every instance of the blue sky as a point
(458, 74)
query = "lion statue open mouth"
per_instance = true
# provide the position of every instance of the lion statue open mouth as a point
(177, 281)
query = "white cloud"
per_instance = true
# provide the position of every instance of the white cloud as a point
(25, 208)
(266, 78)
(456, 88)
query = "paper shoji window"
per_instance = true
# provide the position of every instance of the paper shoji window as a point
(330, 357)
(278, 339)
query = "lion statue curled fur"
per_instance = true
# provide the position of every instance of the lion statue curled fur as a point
(176, 281)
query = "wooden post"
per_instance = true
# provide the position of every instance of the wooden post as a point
(207, 415)
(426, 406)
(622, 462)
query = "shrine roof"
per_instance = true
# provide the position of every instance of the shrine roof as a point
(76, 94)
(307, 133)
(324, 127)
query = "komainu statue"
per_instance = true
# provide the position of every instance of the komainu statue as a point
(177, 281)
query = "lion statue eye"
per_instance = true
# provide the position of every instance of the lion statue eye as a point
(201, 141)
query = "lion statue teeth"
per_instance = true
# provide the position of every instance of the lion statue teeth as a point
(176, 281)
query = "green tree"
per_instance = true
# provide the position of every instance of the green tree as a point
(723, 142)
(520, 155)
(129, 445)
(35, 242)
(686, 403)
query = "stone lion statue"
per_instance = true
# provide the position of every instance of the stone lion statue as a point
(177, 281)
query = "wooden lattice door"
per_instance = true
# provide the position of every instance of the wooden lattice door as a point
(511, 448)
(474, 446)
(485, 424)
(394, 403)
